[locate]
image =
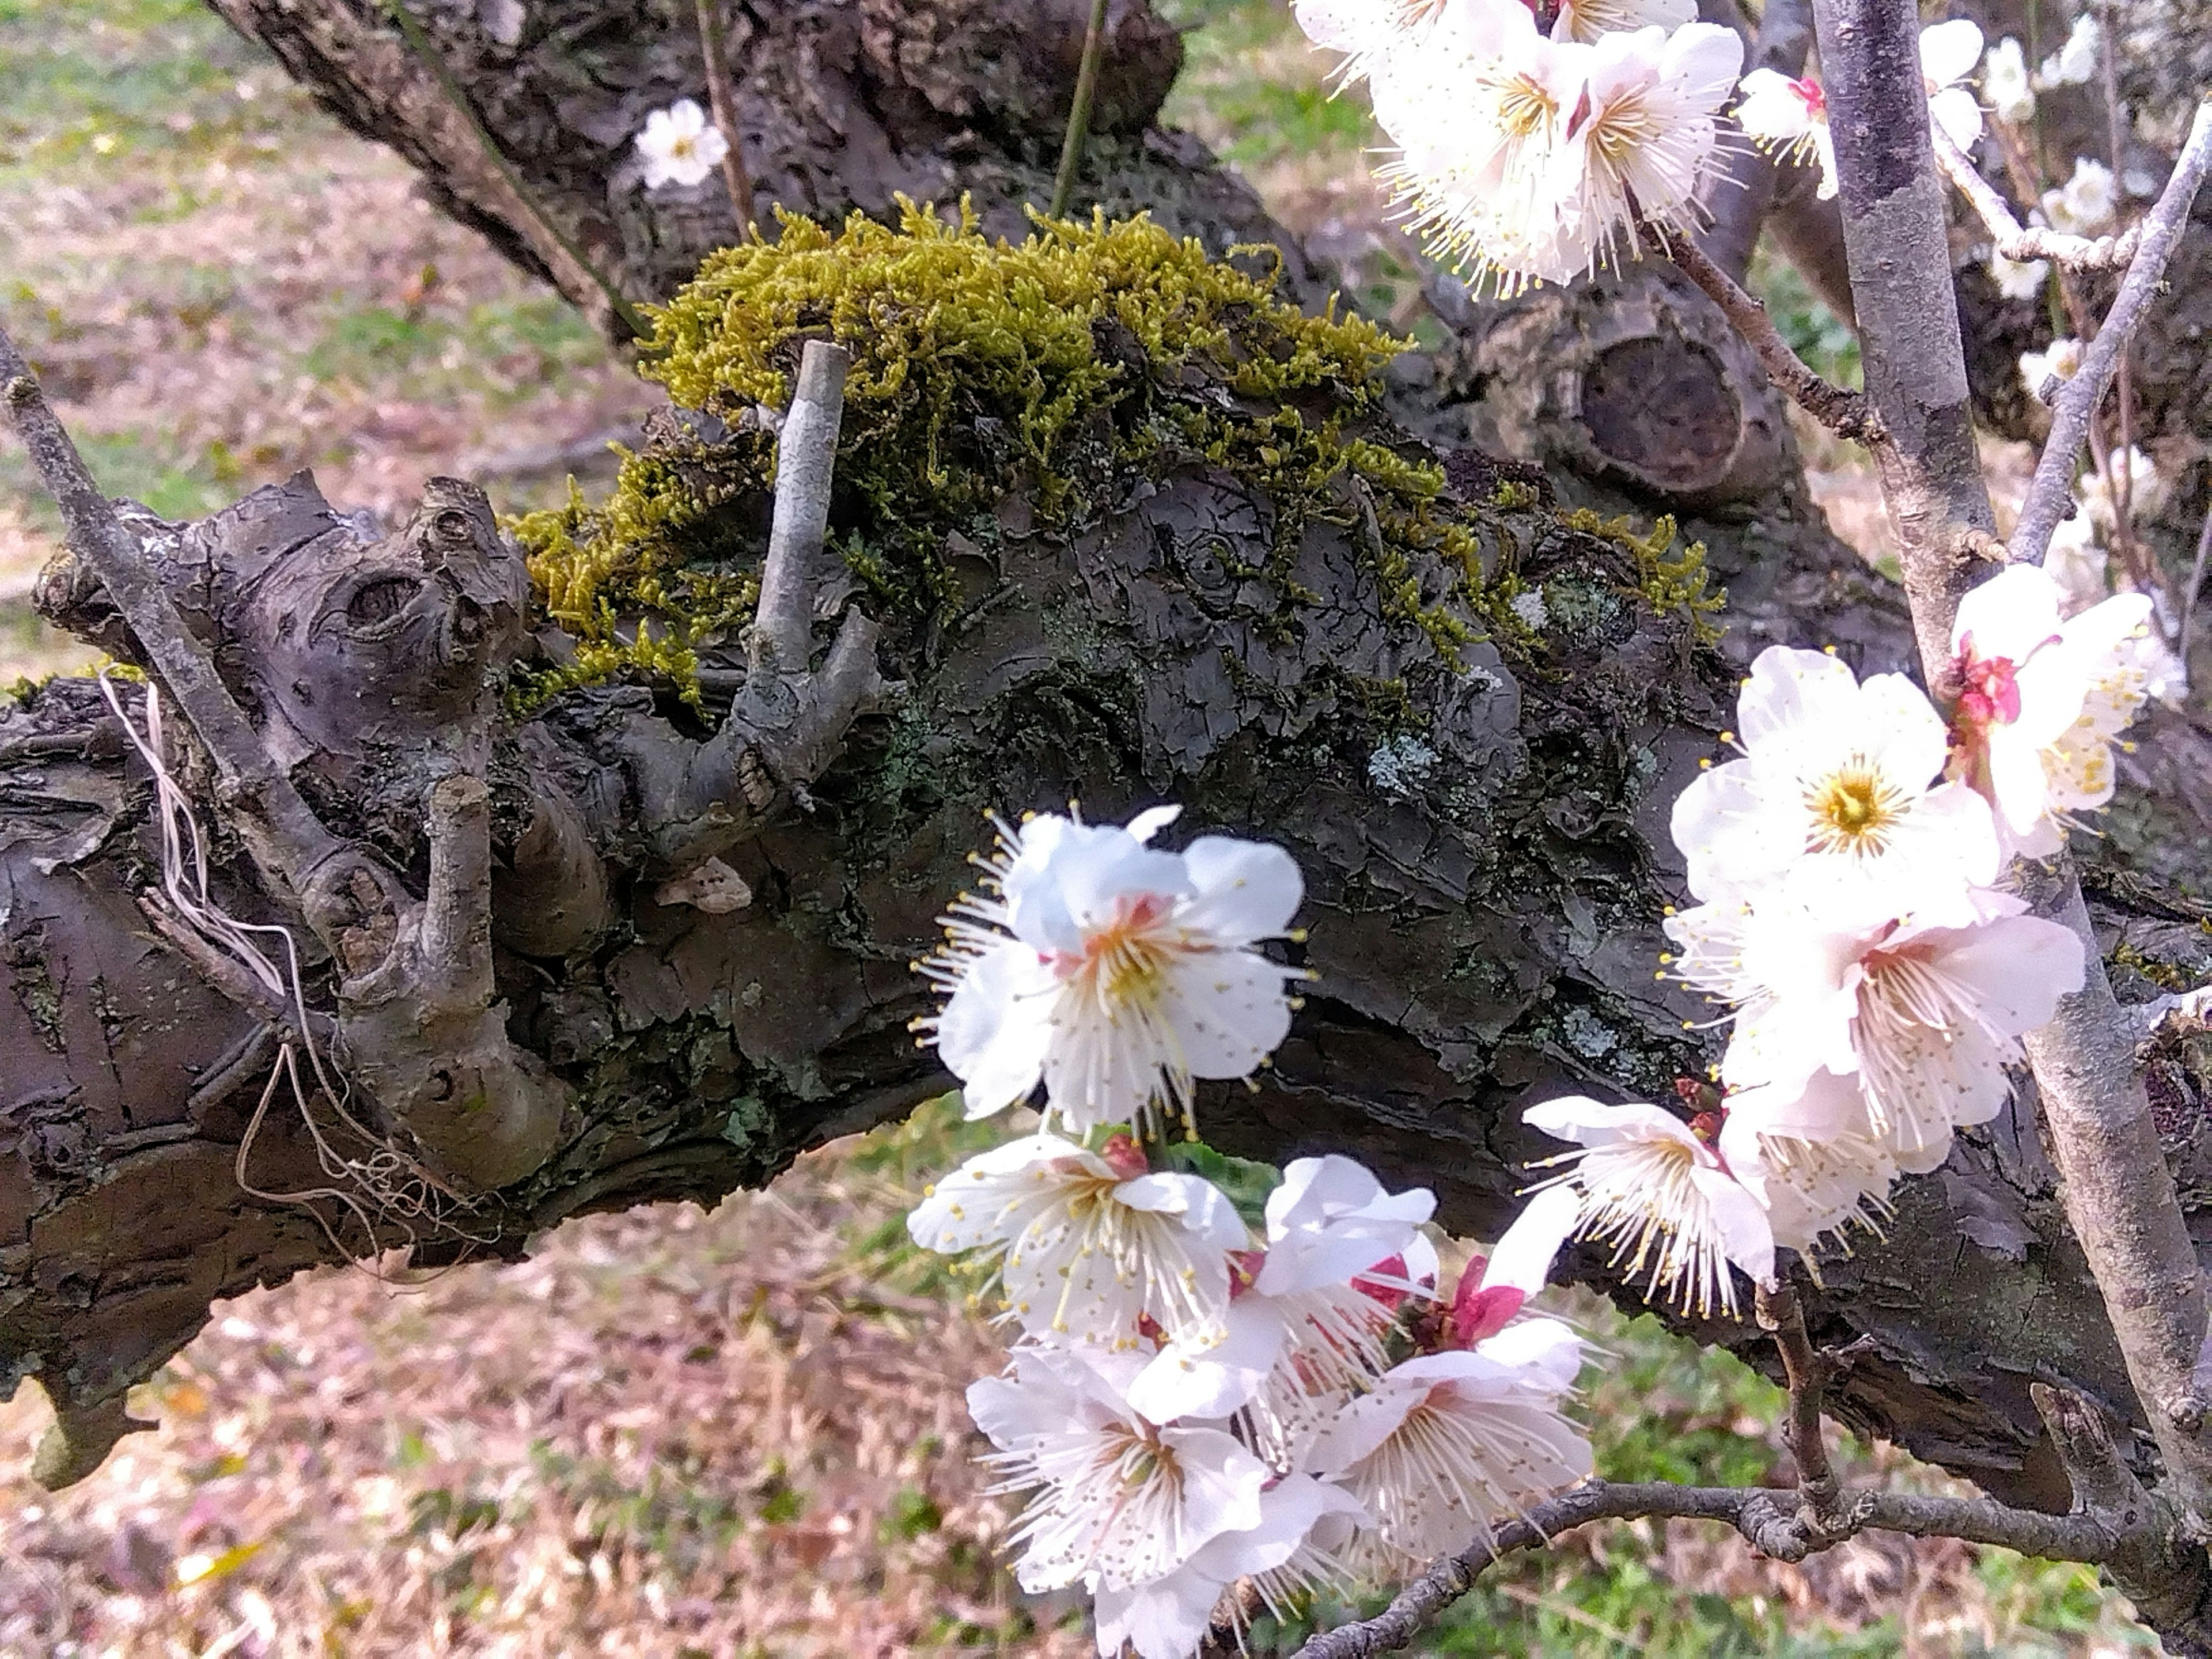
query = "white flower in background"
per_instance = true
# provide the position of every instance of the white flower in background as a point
(1927, 1016)
(1449, 1444)
(1089, 1243)
(2042, 698)
(1949, 53)
(2062, 358)
(1644, 129)
(1119, 1501)
(1114, 972)
(1374, 34)
(1300, 1333)
(2146, 489)
(2018, 279)
(1810, 1157)
(1837, 777)
(2073, 63)
(1790, 117)
(2004, 80)
(1293, 1549)
(2077, 563)
(680, 146)
(2085, 205)
(1589, 21)
(1656, 1192)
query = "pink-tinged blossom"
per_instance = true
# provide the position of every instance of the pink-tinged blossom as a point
(1448, 1445)
(1111, 971)
(1296, 1546)
(1300, 1333)
(1927, 1016)
(1088, 1245)
(2042, 698)
(679, 146)
(1790, 117)
(1118, 1501)
(1838, 788)
(1658, 1194)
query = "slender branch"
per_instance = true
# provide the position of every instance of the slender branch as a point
(1767, 1519)
(2048, 494)
(2023, 243)
(1079, 114)
(296, 842)
(722, 97)
(1846, 413)
(1805, 1370)
(562, 247)
(2196, 589)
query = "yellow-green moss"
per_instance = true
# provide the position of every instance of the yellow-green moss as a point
(1667, 581)
(1067, 365)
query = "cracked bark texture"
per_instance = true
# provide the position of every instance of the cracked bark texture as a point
(1485, 849)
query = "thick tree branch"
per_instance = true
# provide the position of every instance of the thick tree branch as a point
(1847, 414)
(2118, 1192)
(2050, 495)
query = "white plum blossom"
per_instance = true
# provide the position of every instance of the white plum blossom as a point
(1926, 1016)
(1792, 119)
(680, 146)
(2099, 489)
(2073, 63)
(2086, 203)
(1839, 779)
(1642, 137)
(1656, 1191)
(1089, 1243)
(1808, 1154)
(1447, 1445)
(2005, 81)
(1112, 971)
(1119, 1501)
(2062, 358)
(1519, 153)
(1299, 1332)
(1949, 53)
(1305, 1523)
(2018, 279)
(1589, 21)
(2042, 699)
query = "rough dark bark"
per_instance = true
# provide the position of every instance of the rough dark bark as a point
(1485, 847)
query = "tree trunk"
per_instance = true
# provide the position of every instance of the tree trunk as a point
(1483, 830)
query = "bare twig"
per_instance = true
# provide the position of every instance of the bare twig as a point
(1769, 1520)
(296, 841)
(1805, 1370)
(2196, 589)
(722, 97)
(805, 456)
(2053, 484)
(2023, 243)
(1846, 413)
(1078, 113)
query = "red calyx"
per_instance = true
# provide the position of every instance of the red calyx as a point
(1124, 1156)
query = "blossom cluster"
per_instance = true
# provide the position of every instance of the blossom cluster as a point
(1533, 154)
(1846, 865)
(1208, 1389)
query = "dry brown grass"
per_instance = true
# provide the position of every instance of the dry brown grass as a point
(667, 1432)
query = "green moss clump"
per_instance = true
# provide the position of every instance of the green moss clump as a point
(1067, 369)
